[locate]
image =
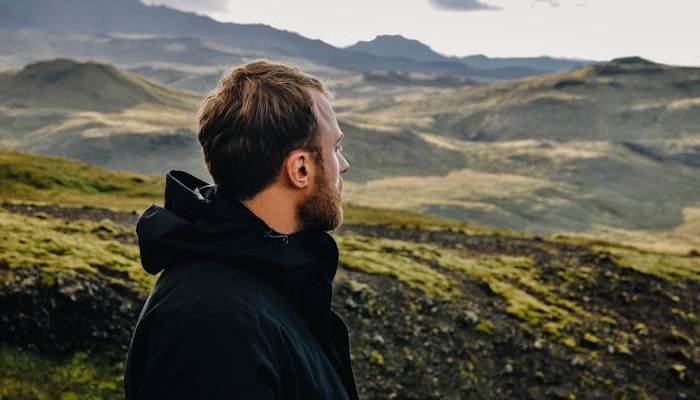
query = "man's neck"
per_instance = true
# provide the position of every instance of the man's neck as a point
(274, 207)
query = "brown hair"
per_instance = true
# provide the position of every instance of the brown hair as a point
(257, 114)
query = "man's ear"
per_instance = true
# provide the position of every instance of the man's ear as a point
(297, 167)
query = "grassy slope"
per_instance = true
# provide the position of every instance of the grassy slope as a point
(608, 150)
(597, 305)
(626, 99)
(96, 113)
(133, 124)
(602, 133)
(92, 86)
(33, 178)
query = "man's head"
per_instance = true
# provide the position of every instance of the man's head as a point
(321, 209)
(265, 122)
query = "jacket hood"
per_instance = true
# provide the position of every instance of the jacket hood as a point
(198, 222)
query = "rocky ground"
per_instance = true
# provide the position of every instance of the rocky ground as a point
(639, 339)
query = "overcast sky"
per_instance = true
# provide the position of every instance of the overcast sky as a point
(665, 31)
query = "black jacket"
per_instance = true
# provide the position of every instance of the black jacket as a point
(240, 311)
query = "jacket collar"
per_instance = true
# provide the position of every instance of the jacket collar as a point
(198, 222)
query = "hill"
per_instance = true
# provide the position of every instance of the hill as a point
(397, 46)
(582, 145)
(64, 83)
(610, 149)
(541, 64)
(625, 99)
(40, 180)
(97, 113)
(102, 115)
(135, 18)
(435, 308)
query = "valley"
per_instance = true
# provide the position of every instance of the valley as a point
(570, 153)
(523, 227)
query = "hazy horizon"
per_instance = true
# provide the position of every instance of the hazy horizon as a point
(575, 29)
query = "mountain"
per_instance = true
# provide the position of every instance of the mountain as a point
(435, 308)
(582, 145)
(542, 64)
(100, 114)
(132, 34)
(83, 86)
(202, 82)
(399, 47)
(133, 17)
(611, 150)
(625, 99)
(97, 113)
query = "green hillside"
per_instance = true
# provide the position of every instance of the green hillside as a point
(88, 86)
(99, 114)
(627, 99)
(436, 308)
(609, 150)
(39, 179)
(102, 115)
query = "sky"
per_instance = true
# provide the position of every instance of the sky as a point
(664, 31)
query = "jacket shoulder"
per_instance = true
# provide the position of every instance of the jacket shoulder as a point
(195, 285)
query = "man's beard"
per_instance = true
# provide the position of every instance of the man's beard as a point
(322, 209)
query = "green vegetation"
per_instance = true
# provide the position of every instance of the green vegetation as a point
(397, 218)
(566, 152)
(47, 83)
(60, 247)
(666, 266)
(418, 265)
(32, 178)
(542, 301)
(99, 114)
(376, 358)
(28, 375)
(401, 219)
(393, 258)
(594, 310)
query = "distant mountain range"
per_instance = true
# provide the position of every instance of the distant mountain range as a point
(397, 46)
(131, 34)
(608, 148)
(626, 99)
(103, 115)
(611, 147)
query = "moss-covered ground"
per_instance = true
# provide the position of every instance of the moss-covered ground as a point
(32, 178)
(27, 375)
(436, 308)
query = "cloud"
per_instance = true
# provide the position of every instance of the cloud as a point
(461, 5)
(192, 5)
(552, 3)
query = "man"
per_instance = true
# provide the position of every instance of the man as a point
(242, 307)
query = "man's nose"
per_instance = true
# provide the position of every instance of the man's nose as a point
(344, 164)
